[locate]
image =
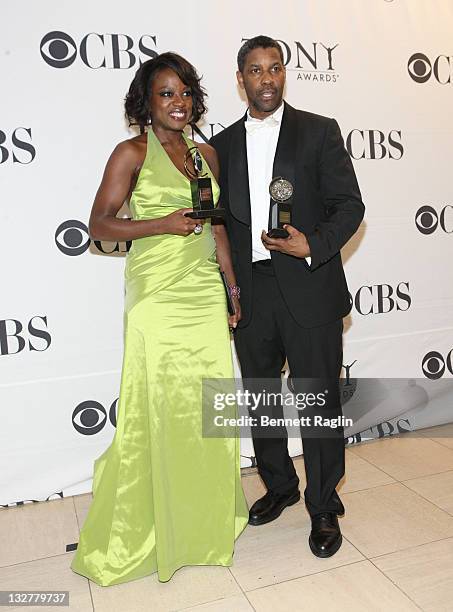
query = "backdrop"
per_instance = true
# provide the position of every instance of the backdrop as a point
(382, 68)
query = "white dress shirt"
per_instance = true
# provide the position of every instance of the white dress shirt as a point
(262, 137)
(261, 147)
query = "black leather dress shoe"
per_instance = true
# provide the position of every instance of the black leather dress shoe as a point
(325, 537)
(269, 507)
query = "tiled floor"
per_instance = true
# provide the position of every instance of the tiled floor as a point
(397, 552)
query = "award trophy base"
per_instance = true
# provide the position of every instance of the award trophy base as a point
(277, 232)
(202, 200)
(207, 213)
(280, 214)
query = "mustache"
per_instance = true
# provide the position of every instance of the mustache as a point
(267, 90)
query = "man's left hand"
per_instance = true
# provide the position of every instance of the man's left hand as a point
(296, 244)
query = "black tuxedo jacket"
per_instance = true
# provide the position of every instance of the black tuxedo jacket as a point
(326, 206)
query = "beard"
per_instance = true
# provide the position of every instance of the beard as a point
(267, 106)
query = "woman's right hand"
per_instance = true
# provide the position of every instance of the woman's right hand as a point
(177, 223)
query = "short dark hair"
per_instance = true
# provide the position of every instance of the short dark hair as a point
(137, 99)
(257, 42)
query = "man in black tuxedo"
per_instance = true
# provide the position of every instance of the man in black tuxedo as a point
(293, 290)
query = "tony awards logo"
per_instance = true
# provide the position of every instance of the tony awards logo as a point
(201, 187)
(281, 192)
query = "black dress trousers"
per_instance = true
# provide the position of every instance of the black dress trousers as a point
(263, 346)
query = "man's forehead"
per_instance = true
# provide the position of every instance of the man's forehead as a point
(261, 56)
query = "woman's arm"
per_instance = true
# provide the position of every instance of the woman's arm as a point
(122, 166)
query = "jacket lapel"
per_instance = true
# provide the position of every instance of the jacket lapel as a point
(286, 152)
(238, 177)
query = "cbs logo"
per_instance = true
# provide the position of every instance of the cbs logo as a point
(381, 299)
(72, 238)
(21, 150)
(421, 68)
(90, 417)
(434, 364)
(374, 144)
(114, 51)
(16, 336)
(427, 220)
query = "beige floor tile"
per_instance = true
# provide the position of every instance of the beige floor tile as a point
(52, 574)
(437, 488)
(237, 603)
(443, 434)
(300, 469)
(35, 531)
(82, 503)
(425, 573)
(359, 474)
(390, 518)
(279, 551)
(351, 588)
(190, 586)
(407, 456)
(253, 488)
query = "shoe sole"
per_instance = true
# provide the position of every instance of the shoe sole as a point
(325, 555)
(269, 520)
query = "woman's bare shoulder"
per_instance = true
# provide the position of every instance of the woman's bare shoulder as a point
(130, 152)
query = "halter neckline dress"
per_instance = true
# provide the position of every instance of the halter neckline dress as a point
(164, 496)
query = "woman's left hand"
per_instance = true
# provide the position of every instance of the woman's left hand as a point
(234, 319)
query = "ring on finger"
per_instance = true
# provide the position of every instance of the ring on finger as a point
(198, 228)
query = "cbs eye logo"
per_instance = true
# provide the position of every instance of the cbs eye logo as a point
(90, 417)
(434, 364)
(117, 51)
(72, 237)
(58, 49)
(421, 68)
(427, 219)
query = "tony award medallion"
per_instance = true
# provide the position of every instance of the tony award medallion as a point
(281, 192)
(201, 187)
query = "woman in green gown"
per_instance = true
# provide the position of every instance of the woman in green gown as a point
(164, 496)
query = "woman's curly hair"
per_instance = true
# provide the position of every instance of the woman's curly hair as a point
(138, 97)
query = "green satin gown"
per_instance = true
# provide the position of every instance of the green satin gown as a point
(164, 496)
